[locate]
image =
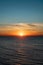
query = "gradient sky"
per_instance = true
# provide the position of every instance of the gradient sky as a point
(14, 11)
(21, 28)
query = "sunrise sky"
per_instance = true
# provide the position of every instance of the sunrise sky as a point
(21, 28)
(24, 17)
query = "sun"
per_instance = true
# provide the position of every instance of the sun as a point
(21, 34)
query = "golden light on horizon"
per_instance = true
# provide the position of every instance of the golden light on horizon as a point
(25, 33)
(21, 30)
(20, 33)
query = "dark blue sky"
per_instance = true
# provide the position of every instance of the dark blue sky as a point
(14, 11)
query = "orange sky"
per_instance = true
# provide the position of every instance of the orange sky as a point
(21, 29)
(17, 33)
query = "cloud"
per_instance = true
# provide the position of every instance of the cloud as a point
(22, 26)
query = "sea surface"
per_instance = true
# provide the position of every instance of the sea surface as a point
(21, 50)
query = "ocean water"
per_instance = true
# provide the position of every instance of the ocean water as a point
(21, 50)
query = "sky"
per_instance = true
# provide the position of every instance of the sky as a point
(21, 17)
(21, 11)
(20, 29)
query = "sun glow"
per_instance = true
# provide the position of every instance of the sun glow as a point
(21, 34)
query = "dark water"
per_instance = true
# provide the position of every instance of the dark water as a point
(21, 50)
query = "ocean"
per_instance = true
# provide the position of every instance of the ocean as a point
(21, 50)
